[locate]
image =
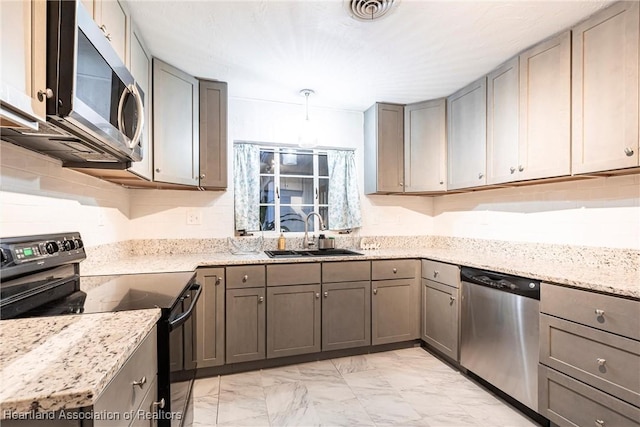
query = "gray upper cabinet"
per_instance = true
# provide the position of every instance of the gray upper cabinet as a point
(545, 109)
(605, 90)
(425, 147)
(467, 137)
(293, 320)
(395, 303)
(175, 127)
(209, 331)
(502, 123)
(213, 135)
(23, 56)
(245, 324)
(113, 19)
(384, 149)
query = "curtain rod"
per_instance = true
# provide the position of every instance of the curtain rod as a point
(273, 144)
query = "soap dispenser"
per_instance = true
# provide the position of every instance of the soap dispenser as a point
(282, 242)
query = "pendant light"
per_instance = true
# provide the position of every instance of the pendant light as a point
(307, 137)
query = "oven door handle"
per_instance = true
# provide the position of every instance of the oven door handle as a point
(178, 321)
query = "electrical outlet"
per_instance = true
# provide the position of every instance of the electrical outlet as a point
(194, 216)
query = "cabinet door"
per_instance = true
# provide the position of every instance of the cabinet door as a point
(175, 130)
(23, 56)
(140, 65)
(384, 149)
(425, 146)
(440, 317)
(467, 113)
(502, 123)
(545, 109)
(605, 90)
(208, 343)
(113, 20)
(346, 315)
(395, 311)
(293, 320)
(213, 134)
(245, 324)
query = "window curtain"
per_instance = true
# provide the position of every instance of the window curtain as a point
(344, 197)
(246, 183)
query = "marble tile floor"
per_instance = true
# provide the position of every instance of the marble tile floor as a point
(408, 387)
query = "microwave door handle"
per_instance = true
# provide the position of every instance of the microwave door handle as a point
(184, 316)
(140, 108)
(121, 107)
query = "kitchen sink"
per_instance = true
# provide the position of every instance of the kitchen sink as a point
(311, 253)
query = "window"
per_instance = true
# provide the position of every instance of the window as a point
(293, 183)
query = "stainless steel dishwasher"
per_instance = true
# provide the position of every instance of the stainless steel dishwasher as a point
(499, 332)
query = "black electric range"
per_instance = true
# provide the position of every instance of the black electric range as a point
(40, 276)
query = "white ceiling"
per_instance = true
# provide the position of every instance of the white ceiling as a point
(423, 49)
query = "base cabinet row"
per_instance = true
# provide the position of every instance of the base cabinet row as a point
(236, 323)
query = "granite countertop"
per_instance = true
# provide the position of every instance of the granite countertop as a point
(601, 278)
(65, 362)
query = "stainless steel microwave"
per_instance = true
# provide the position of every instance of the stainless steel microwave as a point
(95, 109)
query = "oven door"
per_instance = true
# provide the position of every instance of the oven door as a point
(178, 378)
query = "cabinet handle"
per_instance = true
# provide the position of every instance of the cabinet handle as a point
(599, 423)
(375, 292)
(261, 299)
(317, 295)
(245, 278)
(441, 182)
(140, 383)
(45, 94)
(512, 170)
(326, 294)
(628, 151)
(480, 175)
(452, 299)
(203, 176)
(520, 168)
(599, 313)
(158, 170)
(601, 361)
(104, 30)
(159, 404)
(395, 270)
(218, 281)
(435, 273)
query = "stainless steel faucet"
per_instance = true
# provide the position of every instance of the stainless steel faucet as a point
(306, 243)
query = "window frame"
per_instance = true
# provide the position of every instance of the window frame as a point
(277, 181)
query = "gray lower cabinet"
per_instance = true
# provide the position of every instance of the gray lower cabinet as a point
(589, 358)
(395, 311)
(440, 321)
(293, 320)
(245, 324)
(207, 346)
(346, 315)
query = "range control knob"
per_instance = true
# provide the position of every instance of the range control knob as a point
(67, 245)
(78, 242)
(51, 247)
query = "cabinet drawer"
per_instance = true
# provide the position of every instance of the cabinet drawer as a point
(394, 269)
(612, 314)
(606, 361)
(567, 402)
(121, 395)
(245, 276)
(440, 272)
(346, 271)
(293, 274)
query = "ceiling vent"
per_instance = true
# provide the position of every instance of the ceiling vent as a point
(369, 10)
